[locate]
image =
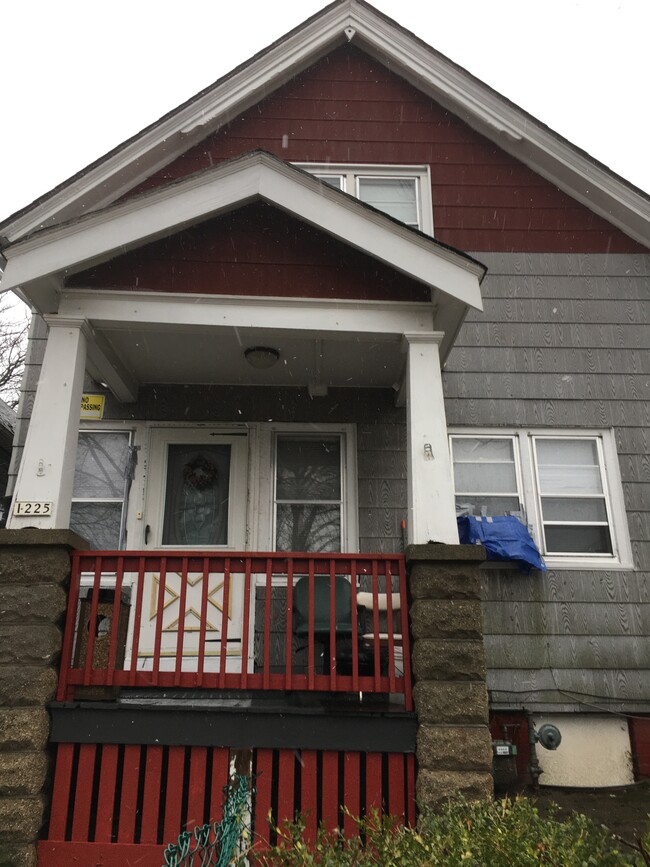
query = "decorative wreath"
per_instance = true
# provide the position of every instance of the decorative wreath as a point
(200, 473)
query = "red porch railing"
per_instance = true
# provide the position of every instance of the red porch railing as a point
(229, 621)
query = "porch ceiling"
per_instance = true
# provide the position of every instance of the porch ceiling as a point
(163, 355)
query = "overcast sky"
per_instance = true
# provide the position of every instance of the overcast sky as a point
(80, 76)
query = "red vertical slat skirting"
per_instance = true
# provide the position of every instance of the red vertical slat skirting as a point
(263, 786)
(396, 799)
(129, 794)
(196, 788)
(286, 786)
(351, 790)
(410, 790)
(174, 794)
(106, 794)
(61, 791)
(373, 782)
(220, 771)
(151, 799)
(308, 793)
(330, 789)
(83, 793)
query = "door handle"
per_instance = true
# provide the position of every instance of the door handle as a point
(147, 531)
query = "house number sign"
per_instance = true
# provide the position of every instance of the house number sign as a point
(30, 508)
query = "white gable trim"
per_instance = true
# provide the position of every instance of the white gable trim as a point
(485, 110)
(256, 176)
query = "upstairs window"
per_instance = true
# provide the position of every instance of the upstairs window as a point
(402, 192)
(566, 487)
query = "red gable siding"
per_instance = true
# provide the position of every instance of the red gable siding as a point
(349, 108)
(257, 250)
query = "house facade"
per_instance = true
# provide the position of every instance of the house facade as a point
(341, 297)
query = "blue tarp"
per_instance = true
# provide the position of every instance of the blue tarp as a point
(504, 537)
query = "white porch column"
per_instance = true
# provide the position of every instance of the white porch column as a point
(47, 467)
(431, 506)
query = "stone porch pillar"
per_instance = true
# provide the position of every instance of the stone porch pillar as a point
(34, 573)
(46, 470)
(454, 747)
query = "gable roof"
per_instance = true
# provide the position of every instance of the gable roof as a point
(486, 111)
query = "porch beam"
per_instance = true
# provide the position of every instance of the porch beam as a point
(120, 310)
(47, 468)
(104, 366)
(431, 505)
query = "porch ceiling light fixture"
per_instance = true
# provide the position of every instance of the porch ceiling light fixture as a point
(261, 357)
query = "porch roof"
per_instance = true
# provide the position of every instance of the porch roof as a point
(39, 264)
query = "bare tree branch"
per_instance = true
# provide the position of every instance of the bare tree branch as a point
(14, 325)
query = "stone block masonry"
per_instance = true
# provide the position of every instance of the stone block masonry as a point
(454, 747)
(34, 574)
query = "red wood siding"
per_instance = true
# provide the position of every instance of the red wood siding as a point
(349, 108)
(257, 250)
(640, 738)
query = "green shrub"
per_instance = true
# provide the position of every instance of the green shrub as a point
(470, 834)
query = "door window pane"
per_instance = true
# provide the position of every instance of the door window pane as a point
(98, 523)
(103, 471)
(313, 529)
(101, 463)
(308, 493)
(197, 495)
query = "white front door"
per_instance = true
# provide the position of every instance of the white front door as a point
(195, 502)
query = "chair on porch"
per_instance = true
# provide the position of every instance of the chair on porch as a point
(321, 622)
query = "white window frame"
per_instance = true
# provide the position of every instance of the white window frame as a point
(264, 471)
(525, 462)
(352, 173)
(124, 499)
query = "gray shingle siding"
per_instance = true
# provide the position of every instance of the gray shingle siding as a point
(564, 341)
